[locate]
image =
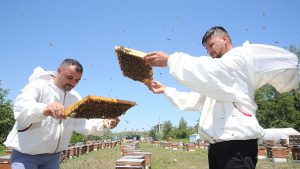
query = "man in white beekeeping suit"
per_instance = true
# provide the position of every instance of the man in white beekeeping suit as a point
(223, 88)
(42, 131)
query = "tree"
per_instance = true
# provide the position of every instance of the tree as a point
(106, 135)
(181, 132)
(278, 110)
(6, 115)
(76, 137)
(167, 129)
(153, 134)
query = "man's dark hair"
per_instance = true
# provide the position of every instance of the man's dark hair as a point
(68, 62)
(216, 30)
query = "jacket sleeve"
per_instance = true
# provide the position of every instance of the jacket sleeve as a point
(27, 109)
(89, 127)
(188, 101)
(207, 76)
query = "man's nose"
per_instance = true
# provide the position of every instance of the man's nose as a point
(209, 51)
(74, 82)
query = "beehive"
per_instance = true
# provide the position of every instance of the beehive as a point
(133, 65)
(5, 162)
(130, 162)
(294, 139)
(147, 157)
(261, 152)
(296, 152)
(98, 107)
(277, 152)
(190, 147)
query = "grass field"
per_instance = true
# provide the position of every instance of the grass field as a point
(161, 159)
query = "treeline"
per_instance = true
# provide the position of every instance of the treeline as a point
(278, 110)
(168, 131)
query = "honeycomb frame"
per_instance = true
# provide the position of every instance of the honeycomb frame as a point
(132, 64)
(98, 107)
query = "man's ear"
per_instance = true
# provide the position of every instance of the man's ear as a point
(227, 41)
(226, 38)
(59, 70)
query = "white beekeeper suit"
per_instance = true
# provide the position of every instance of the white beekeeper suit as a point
(224, 88)
(35, 133)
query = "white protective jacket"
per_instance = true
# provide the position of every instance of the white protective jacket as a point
(224, 88)
(35, 133)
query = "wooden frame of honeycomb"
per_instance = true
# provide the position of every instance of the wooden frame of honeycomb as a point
(98, 107)
(133, 65)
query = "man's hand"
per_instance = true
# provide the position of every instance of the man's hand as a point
(110, 123)
(56, 110)
(158, 59)
(156, 87)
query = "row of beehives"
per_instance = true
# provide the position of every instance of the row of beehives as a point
(292, 140)
(82, 148)
(71, 152)
(275, 152)
(183, 146)
(133, 157)
(279, 153)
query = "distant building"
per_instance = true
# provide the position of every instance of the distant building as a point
(275, 134)
(194, 138)
(157, 128)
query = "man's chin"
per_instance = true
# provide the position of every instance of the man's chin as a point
(216, 56)
(68, 88)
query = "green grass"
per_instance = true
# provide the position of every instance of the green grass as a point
(174, 159)
(2, 150)
(101, 159)
(161, 159)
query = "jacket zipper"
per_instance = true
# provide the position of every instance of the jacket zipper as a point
(59, 124)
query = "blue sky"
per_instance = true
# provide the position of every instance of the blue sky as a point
(43, 33)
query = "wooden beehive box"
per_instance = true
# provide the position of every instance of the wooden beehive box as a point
(5, 162)
(130, 162)
(133, 65)
(98, 107)
(147, 157)
(296, 152)
(294, 139)
(277, 152)
(261, 150)
(189, 147)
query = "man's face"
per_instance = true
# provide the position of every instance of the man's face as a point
(67, 77)
(216, 46)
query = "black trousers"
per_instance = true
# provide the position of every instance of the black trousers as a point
(235, 154)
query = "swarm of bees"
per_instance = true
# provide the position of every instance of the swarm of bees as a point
(98, 107)
(133, 65)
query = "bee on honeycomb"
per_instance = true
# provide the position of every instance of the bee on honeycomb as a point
(133, 65)
(98, 107)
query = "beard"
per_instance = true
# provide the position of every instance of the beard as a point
(68, 87)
